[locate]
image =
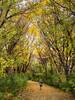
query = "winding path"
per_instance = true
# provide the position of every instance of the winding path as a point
(33, 92)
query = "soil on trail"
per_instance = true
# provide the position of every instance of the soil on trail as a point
(33, 92)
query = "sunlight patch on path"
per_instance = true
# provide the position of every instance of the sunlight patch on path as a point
(33, 92)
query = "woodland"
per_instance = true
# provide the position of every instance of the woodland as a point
(37, 42)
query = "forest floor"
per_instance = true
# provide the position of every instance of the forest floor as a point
(33, 92)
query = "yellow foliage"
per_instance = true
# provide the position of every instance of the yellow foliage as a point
(33, 30)
(39, 11)
(45, 2)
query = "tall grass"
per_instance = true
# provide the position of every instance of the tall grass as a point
(12, 84)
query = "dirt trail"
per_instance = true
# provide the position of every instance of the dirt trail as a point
(33, 92)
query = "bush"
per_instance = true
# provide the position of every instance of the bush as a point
(72, 83)
(1, 96)
(52, 79)
(64, 86)
(67, 85)
(13, 83)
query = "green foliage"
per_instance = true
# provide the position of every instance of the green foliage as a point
(12, 84)
(66, 85)
(55, 20)
(52, 79)
(72, 83)
(1, 96)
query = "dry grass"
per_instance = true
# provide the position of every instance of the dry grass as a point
(33, 92)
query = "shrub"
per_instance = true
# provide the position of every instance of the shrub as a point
(1, 96)
(72, 83)
(52, 79)
(13, 83)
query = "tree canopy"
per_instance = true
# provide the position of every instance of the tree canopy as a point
(44, 28)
